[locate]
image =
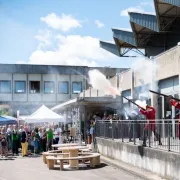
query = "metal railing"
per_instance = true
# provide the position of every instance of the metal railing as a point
(164, 134)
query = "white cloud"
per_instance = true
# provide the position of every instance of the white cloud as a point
(132, 9)
(73, 50)
(63, 22)
(147, 4)
(99, 23)
(21, 62)
(45, 38)
(138, 9)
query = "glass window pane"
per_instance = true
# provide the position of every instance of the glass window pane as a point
(77, 87)
(5, 86)
(48, 87)
(20, 86)
(34, 86)
(63, 87)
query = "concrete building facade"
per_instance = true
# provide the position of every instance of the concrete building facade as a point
(26, 87)
(166, 78)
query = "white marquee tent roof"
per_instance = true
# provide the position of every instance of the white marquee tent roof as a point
(44, 114)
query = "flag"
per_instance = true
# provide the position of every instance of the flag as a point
(18, 112)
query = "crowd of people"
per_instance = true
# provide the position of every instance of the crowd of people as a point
(27, 140)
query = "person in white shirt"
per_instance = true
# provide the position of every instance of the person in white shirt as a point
(57, 134)
(9, 139)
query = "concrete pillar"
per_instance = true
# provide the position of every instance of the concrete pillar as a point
(132, 85)
(154, 87)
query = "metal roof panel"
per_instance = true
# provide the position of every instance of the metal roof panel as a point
(109, 47)
(125, 36)
(173, 2)
(146, 20)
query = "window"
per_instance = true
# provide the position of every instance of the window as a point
(76, 87)
(63, 87)
(49, 87)
(5, 86)
(34, 87)
(20, 86)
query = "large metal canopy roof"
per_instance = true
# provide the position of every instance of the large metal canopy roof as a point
(153, 33)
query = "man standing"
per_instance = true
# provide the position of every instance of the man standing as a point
(9, 139)
(57, 134)
(150, 114)
(176, 104)
(15, 141)
(49, 133)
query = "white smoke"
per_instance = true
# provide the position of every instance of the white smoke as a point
(141, 103)
(146, 68)
(99, 82)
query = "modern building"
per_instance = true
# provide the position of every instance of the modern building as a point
(27, 87)
(159, 36)
(152, 33)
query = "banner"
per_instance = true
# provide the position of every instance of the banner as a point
(18, 112)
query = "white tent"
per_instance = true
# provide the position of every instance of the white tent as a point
(44, 114)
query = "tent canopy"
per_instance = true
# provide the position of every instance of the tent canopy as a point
(44, 114)
(4, 120)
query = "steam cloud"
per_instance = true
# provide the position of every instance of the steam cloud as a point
(141, 103)
(99, 82)
(146, 69)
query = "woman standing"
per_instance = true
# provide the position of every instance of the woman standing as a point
(3, 144)
(24, 142)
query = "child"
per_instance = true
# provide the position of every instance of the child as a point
(3, 145)
(35, 140)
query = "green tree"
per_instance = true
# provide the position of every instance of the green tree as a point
(4, 111)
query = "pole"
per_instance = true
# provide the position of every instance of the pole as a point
(163, 95)
(133, 102)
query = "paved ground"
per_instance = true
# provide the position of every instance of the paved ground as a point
(34, 169)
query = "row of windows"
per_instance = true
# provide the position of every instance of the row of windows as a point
(34, 87)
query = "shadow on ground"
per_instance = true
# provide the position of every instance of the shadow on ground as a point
(86, 167)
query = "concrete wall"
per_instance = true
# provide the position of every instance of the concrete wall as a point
(168, 63)
(165, 164)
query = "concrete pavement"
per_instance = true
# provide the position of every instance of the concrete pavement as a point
(32, 168)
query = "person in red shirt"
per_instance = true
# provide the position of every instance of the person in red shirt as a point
(150, 114)
(176, 104)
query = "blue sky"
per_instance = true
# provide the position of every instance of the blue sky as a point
(63, 31)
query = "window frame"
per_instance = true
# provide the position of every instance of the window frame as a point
(53, 87)
(81, 86)
(39, 87)
(67, 82)
(10, 87)
(15, 87)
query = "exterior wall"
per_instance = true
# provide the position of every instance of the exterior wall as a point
(168, 63)
(49, 97)
(27, 102)
(23, 96)
(7, 96)
(64, 97)
(169, 86)
(77, 78)
(38, 96)
(165, 164)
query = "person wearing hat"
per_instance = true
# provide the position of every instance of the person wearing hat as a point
(150, 114)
